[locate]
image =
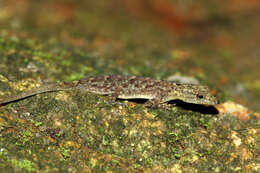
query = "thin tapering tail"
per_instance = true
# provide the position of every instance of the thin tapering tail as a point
(39, 90)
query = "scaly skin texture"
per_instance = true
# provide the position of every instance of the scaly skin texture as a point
(158, 92)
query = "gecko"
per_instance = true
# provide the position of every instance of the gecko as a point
(157, 92)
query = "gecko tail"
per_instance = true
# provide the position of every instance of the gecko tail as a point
(38, 90)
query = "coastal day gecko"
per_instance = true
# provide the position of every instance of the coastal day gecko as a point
(157, 92)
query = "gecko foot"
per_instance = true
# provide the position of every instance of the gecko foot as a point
(154, 104)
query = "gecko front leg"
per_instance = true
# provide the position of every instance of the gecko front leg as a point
(154, 103)
(160, 100)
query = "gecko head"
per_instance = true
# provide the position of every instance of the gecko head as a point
(196, 94)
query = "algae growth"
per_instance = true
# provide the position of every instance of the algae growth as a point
(81, 132)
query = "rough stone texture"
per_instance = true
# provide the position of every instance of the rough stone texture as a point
(72, 131)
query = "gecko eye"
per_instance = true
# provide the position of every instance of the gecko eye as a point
(200, 96)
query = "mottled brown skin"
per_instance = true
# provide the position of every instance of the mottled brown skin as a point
(158, 92)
